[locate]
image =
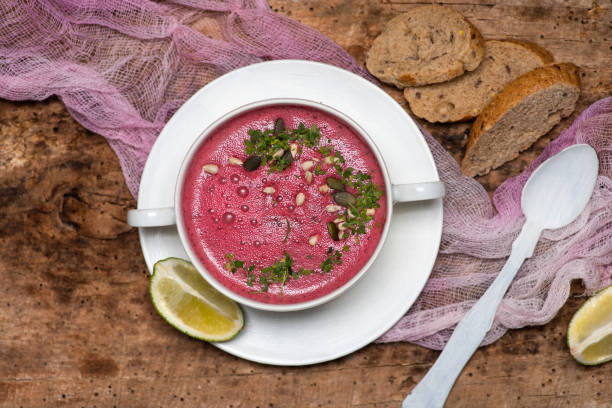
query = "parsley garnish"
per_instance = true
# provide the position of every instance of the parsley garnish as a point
(333, 258)
(280, 271)
(367, 194)
(273, 147)
(232, 264)
(288, 229)
(319, 170)
(267, 145)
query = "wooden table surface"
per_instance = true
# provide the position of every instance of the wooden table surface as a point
(77, 327)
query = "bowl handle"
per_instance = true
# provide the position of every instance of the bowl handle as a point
(151, 217)
(403, 193)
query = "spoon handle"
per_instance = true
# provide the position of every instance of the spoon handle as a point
(434, 388)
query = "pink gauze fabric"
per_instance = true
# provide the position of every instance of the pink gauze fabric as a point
(123, 67)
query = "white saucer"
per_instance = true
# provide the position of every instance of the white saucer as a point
(382, 296)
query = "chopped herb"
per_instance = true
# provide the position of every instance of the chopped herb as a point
(288, 229)
(263, 281)
(278, 272)
(325, 150)
(366, 193)
(232, 264)
(334, 258)
(273, 146)
(267, 143)
(319, 170)
(300, 272)
(250, 279)
(281, 270)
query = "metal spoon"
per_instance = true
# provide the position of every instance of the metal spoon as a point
(555, 194)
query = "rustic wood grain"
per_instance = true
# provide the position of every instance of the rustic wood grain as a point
(77, 326)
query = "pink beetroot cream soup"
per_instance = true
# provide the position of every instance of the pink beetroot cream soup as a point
(230, 213)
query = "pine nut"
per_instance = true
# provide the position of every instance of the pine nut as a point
(371, 212)
(332, 208)
(341, 224)
(269, 190)
(210, 168)
(324, 188)
(278, 153)
(308, 177)
(294, 149)
(235, 161)
(307, 165)
(313, 240)
(299, 199)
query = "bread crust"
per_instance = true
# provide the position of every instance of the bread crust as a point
(546, 57)
(400, 56)
(516, 91)
(462, 94)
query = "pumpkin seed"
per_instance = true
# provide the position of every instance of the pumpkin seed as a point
(333, 231)
(252, 163)
(279, 126)
(344, 198)
(336, 184)
(286, 158)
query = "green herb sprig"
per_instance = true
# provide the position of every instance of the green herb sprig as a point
(267, 143)
(279, 272)
(367, 194)
(333, 258)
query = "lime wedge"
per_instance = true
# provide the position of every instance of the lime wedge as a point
(186, 301)
(589, 335)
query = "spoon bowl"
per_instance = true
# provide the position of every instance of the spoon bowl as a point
(559, 189)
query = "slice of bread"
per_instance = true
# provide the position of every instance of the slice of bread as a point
(426, 45)
(465, 97)
(524, 110)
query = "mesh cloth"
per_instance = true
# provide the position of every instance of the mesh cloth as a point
(123, 67)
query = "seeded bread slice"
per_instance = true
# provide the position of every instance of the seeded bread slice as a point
(463, 98)
(524, 110)
(426, 45)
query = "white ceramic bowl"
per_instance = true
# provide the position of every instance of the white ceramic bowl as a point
(395, 194)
